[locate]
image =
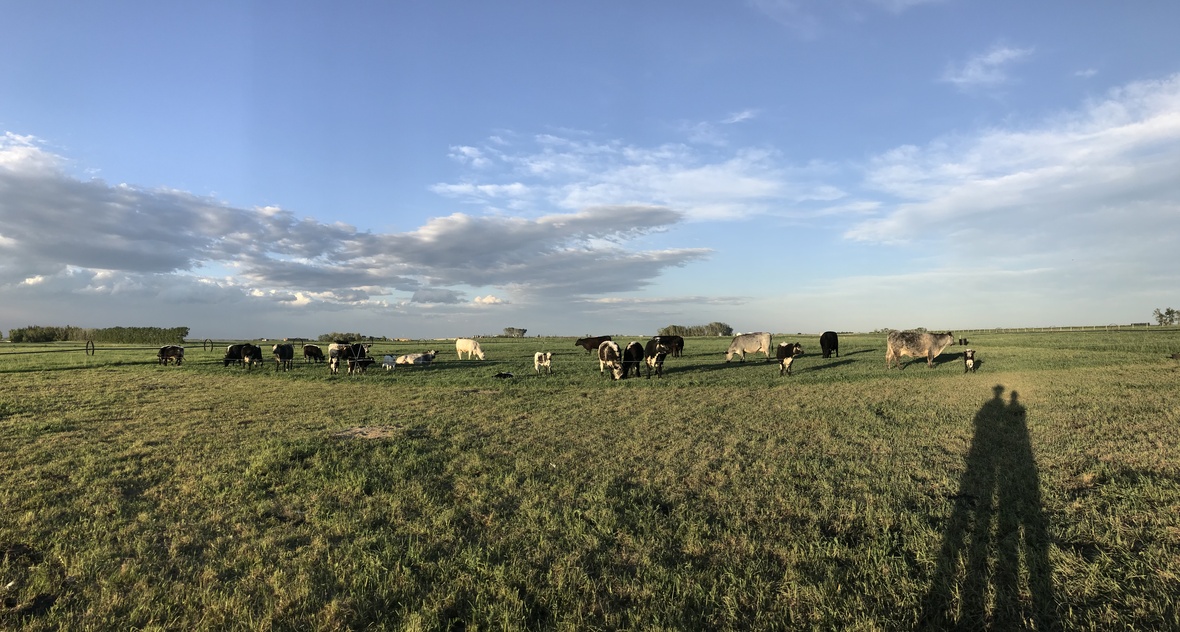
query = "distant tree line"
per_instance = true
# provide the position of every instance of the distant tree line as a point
(712, 329)
(1168, 316)
(514, 332)
(355, 337)
(131, 335)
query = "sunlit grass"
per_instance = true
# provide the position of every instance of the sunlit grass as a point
(719, 497)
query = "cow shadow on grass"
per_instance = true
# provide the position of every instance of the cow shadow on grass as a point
(821, 367)
(993, 569)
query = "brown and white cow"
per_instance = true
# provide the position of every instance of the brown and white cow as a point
(916, 344)
(610, 356)
(543, 359)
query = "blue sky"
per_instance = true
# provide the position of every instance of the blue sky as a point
(430, 169)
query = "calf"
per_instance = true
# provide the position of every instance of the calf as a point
(312, 353)
(969, 360)
(916, 344)
(632, 358)
(170, 353)
(388, 362)
(829, 341)
(654, 354)
(284, 356)
(609, 356)
(543, 359)
(749, 343)
(786, 354)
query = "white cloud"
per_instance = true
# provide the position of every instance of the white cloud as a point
(987, 69)
(488, 300)
(1092, 190)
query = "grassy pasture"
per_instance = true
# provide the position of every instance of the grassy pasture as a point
(1041, 492)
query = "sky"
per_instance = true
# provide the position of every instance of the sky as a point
(441, 169)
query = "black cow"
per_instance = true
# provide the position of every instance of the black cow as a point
(654, 354)
(674, 344)
(829, 342)
(251, 355)
(284, 356)
(591, 344)
(632, 358)
(171, 353)
(233, 354)
(312, 353)
(786, 354)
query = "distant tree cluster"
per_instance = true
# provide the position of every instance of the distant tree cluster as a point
(712, 329)
(126, 335)
(1168, 316)
(514, 332)
(334, 336)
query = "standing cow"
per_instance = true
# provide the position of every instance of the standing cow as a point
(591, 344)
(543, 359)
(284, 356)
(829, 342)
(312, 353)
(786, 354)
(653, 356)
(468, 346)
(916, 344)
(171, 353)
(749, 343)
(610, 356)
(251, 355)
(632, 358)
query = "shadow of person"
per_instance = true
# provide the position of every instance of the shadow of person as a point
(993, 569)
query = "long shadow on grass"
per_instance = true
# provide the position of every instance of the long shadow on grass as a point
(993, 570)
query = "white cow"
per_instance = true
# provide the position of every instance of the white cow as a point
(543, 359)
(468, 346)
(749, 343)
(388, 362)
(419, 359)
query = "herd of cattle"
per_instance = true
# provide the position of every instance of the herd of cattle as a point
(622, 361)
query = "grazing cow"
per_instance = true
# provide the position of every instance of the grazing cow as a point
(312, 353)
(171, 353)
(916, 344)
(749, 343)
(468, 346)
(543, 359)
(609, 356)
(786, 354)
(969, 360)
(284, 356)
(632, 358)
(590, 344)
(251, 355)
(829, 342)
(388, 362)
(418, 359)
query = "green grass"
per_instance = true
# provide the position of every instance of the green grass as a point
(719, 497)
